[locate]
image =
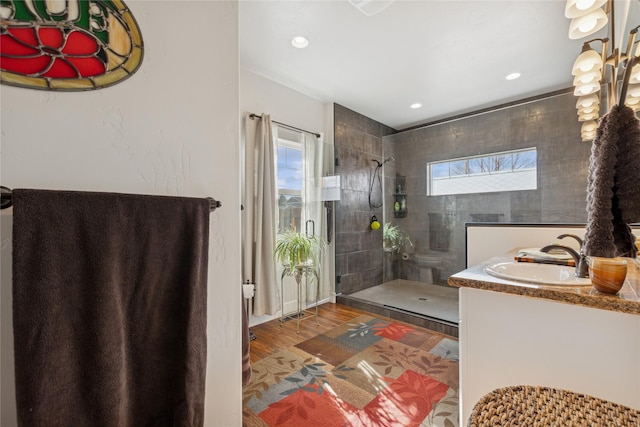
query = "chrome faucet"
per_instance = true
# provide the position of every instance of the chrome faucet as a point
(582, 268)
(582, 265)
(562, 236)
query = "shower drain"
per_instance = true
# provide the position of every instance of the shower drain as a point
(423, 299)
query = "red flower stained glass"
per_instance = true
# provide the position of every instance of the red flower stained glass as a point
(51, 52)
(68, 45)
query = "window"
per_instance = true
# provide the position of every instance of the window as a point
(289, 176)
(504, 171)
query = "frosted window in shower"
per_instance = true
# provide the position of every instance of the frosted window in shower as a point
(503, 171)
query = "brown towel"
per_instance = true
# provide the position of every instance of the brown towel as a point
(613, 190)
(109, 309)
(628, 167)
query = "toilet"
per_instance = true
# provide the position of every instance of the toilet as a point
(425, 264)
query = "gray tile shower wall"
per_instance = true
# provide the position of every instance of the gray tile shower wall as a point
(436, 223)
(359, 255)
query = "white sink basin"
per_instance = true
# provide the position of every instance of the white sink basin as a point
(546, 274)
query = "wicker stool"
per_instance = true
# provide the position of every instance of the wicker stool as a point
(544, 406)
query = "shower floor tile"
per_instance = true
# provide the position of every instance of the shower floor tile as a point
(439, 302)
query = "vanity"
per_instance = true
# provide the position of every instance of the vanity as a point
(567, 337)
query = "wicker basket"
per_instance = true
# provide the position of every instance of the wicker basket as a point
(544, 406)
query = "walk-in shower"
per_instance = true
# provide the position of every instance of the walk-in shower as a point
(436, 223)
(412, 282)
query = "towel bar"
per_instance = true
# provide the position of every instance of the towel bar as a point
(5, 199)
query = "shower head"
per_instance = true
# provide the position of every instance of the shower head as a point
(388, 159)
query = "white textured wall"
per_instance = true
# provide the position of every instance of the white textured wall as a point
(171, 129)
(260, 95)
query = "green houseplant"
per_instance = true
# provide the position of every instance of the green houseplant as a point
(299, 249)
(394, 238)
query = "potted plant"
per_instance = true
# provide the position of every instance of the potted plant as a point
(394, 238)
(299, 249)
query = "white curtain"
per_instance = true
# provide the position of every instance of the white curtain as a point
(259, 219)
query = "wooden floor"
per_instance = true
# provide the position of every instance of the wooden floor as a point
(272, 336)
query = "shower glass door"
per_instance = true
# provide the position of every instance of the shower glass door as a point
(303, 164)
(395, 238)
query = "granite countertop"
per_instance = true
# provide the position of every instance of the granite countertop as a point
(627, 300)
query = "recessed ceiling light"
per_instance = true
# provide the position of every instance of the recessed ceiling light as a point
(300, 42)
(513, 76)
(416, 105)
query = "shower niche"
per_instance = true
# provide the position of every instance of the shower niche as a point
(400, 197)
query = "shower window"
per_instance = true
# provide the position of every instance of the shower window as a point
(503, 171)
(290, 178)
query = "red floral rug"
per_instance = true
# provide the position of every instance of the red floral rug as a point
(367, 372)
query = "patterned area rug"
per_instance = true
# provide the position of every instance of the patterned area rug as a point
(367, 372)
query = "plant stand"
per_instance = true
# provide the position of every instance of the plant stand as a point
(298, 272)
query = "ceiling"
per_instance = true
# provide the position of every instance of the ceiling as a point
(450, 56)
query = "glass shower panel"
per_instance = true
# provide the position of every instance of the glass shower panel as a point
(396, 208)
(320, 189)
(306, 188)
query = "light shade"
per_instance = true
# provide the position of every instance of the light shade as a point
(589, 110)
(633, 91)
(587, 61)
(632, 101)
(589, 126)
(577, 8)
(587, 89)
(588, 100)
(635, 74)
(588, 77)
(587, 117)
(587, 24)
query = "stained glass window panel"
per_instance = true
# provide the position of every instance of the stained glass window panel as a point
(68, 45)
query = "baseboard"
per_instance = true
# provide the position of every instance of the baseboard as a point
(436, 325)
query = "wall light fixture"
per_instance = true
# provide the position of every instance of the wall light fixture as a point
(611, 75)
